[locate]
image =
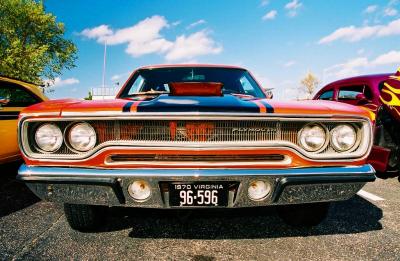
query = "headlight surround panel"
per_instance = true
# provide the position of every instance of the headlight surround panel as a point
(289, 128)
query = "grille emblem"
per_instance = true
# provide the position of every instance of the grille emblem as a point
(240, 130)
(193, 131)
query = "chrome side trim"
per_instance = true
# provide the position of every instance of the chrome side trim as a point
(28, 171)
(95, 154)
(191, 116)
(39, 114)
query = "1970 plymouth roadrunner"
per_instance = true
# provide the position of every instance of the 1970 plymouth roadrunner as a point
(194, 136)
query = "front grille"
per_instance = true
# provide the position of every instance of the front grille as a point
(231, 133)
(187, 131)
(188, 157)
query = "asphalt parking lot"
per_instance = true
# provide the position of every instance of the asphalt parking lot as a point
(366, 227)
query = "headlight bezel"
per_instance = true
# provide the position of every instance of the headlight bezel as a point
(356, 142)
(58, 144)
(324, 145)
(67, 136)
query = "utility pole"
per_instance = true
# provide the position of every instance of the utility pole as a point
(104, 68)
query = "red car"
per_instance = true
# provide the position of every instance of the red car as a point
(380, 95)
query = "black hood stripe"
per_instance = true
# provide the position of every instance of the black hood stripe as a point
(268, 106)
(224, 104)
(127, 107)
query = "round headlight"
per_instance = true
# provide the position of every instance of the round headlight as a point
(343, 137)
(82, 137)
(48, 137)
(312, 137)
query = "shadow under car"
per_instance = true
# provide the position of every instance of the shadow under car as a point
(347, 217)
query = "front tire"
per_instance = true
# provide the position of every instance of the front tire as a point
(85, 217)
(304, 215)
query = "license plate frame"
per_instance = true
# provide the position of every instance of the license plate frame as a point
(208, 200)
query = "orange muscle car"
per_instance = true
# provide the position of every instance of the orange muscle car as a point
(14, 96)
(194, 136)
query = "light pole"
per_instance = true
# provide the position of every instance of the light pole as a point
(104, 68)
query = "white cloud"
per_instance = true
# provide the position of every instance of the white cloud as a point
(390, 11)
(354, 34)
(292, 7)
(196, 44)
(139, 48)
(145, 38)
(358, 65)
(370, 9)
(264, 2)
(393, 28)
(270, 15)
(97, 32)
(289, 63)
(293, 4)
(58, 82)
(197, 23)
(360, 51)
(346, 69)
(392, 57)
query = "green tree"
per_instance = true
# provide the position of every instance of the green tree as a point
(89, 97)
(32, 46)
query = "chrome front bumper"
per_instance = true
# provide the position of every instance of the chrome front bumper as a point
(110, 186)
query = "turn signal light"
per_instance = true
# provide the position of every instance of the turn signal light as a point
(258, 190)
(140, 190)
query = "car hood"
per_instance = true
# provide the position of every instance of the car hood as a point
(194, 104)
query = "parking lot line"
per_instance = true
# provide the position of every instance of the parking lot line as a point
(370, 196)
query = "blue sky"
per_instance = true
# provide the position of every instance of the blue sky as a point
(278, 40)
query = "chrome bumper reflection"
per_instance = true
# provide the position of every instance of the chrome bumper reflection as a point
(110, 187)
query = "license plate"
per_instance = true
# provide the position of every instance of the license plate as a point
(198, 194)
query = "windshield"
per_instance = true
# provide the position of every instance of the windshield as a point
(156, 81)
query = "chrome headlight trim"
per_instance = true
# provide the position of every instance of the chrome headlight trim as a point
(57, 135)
(307, 147)
(357, 138)
(71, 133)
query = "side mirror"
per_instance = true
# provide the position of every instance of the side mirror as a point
(268, 92)
(361, 99)
(4, 101)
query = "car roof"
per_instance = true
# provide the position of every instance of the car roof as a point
(27, 85)
(157, 66)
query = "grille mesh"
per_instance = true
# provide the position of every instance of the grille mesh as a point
(187, 131)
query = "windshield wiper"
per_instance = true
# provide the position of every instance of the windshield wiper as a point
(151, 92)
(242, 95)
